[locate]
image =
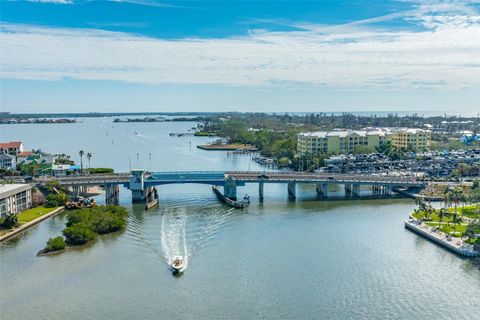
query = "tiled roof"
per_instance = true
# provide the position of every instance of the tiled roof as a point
(12, 144)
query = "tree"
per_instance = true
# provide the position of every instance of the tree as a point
(78, 233)
(10, 221)
(89, 156)
(81, 153)
(472, 231)
(456, 196)
(55, 244)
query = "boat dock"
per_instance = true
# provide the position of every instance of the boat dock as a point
(454, 244)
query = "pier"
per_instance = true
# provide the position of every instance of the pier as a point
(143, 184)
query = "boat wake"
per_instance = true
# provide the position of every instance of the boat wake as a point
(179, 228)
(173, 238)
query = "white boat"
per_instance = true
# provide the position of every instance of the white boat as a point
(178, 263)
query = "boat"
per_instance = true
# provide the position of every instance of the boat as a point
(178, 263)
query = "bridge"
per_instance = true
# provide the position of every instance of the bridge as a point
(143, 184)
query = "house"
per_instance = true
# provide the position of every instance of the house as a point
(62, 170)
(7, 161)
(11, 148)
(14, 198)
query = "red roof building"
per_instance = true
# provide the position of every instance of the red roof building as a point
(12, 148)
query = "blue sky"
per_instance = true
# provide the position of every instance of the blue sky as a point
(148, 55)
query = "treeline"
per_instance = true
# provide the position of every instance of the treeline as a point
(328, 121)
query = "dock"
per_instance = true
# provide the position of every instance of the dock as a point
(453, 244)
(227, 147)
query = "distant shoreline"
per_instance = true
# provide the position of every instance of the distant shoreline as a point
(424, 114)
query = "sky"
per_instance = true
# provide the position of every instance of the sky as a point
(264, 56)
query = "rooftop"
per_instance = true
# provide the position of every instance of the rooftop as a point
(362, 133)
(11, 144)
(7, 190)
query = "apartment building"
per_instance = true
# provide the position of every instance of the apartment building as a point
(348, 141)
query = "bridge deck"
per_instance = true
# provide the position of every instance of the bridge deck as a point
(241, 177)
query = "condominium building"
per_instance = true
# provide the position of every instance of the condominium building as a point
(349, 141)
(14, 198)
(411, 138)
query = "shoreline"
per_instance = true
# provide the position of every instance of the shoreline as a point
(15, 232)
(455, 245)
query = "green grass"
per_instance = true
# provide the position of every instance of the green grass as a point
(450, 228)
(31, 214)
(446, 225)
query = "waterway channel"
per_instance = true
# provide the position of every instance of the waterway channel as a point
(308, 259)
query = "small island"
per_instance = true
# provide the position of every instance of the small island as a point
(85, 224)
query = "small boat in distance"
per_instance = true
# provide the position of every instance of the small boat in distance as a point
(178, 263)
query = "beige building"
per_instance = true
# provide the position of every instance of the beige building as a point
(14, 198)
(348, 141)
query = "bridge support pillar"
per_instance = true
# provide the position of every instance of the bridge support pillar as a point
(322, 190)
(348, 189)
(137, 185)
(388, 190)
(292, 190)
(230, 189)
(260, 191)
(356, 190)
(138, 195)
(112, 194)
(75, 191)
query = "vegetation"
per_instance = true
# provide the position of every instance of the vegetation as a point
(81, 153)
(33, 213)
(89, 156)
(63, 159)
(388, 149)
(78, 234)
(460, 221)
(56, 200)
(82, 225)
(100, 170)
(55, 244)
(9, 221)
(465, 170)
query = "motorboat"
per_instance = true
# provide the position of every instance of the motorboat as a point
(178, 263)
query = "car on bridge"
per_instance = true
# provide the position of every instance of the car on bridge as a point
(263, 176)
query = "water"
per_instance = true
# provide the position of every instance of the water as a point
(301, 260)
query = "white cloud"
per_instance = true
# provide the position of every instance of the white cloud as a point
(445, 54)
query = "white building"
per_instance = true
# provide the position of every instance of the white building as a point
(14, 198)
(60, 170)
(13, 148)
(7, 161)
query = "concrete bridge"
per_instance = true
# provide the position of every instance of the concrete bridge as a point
(143, 184)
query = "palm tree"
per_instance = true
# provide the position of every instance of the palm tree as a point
(89, 156)
(457, 194)
(81, 153)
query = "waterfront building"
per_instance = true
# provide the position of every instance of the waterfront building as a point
(348, 141)
(7, 161)
(11, 148)
(62, 170)
(14, 198)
